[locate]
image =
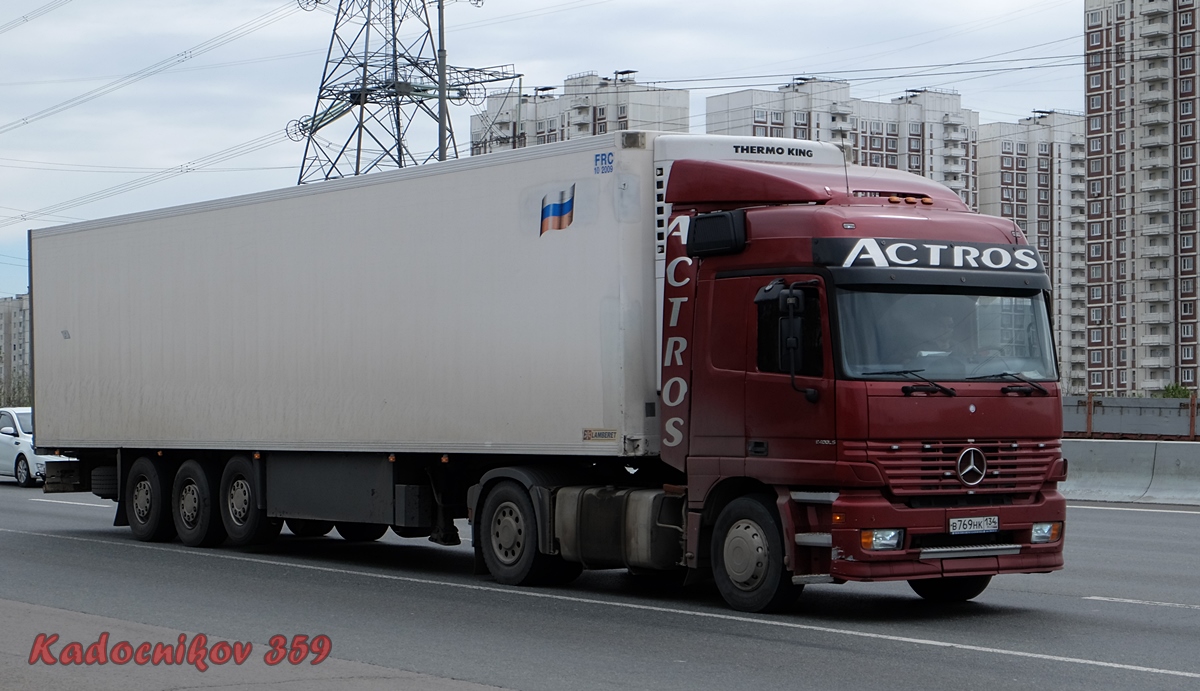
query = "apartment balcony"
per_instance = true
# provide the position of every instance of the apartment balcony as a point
(1156, 340)
(1154, 53)
(1077, 187)
(841, 127)
(1077, 140)
(1155, 74)
(1156, 362)
(955, 185)
(954, 152)
(1078, 311)
(1156, 274)
(1155, 207)
(1155, 185)
(1155, 162)
(1155, 229)
(1159, 118)
(841, 109)
(953, 119)
(955, 136)
(1076, 217)
(1155, 296)
(1155, 252)
(1078, 233)
(1156, 318)
(1078, 359)
(1155, 140)
(1155, 97)
(1155, 9)
(1160, 30)
(1077, 264)
(957, 168)
(1078, 155)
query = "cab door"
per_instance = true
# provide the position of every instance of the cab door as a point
(789, 378)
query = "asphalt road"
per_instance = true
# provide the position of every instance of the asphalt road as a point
(405, 614)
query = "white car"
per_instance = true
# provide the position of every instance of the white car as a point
(17, 458)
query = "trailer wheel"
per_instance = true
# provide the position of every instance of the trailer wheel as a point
(747, 557)
(146, 503)
(361, 532)
(196, 520)
(244, 522)
(303, 527)
(508, 532)
(950, 589)
(22, 474)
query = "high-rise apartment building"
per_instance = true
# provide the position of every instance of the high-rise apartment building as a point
(15, 363)
(926, 131)
(1034, 172)
(589, 105)
(1140, 260)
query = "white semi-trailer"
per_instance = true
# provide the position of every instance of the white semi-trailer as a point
(610, 352)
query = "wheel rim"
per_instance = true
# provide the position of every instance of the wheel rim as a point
(189, 504)
(141, 500)
(745, 553)
(239, 500)
(508, 533)
(22, 471)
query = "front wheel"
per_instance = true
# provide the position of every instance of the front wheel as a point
(21, 472)
(951, 589)
(747, 557)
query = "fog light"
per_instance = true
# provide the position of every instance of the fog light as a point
(883, 538)
(1046, 532)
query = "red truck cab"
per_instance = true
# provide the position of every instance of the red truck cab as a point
(859, 380)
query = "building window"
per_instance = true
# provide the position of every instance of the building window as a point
(759, 130)
(1185, 107)
(1095, 145)
(1185, 129)
(1187, 174)
(914, 128)
(1097, 292)
(1187, 309)
(1095, 335)
(759, 115)
(1097, 378)
(1187, 330)
(1097, 271)
(1095, 250)
(1186, 263)
(799, 118)
(1095, 229)
(1185, 41)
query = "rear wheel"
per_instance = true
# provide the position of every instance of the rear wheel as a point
(361, 532)
(951, 589)
(245, 523)
(509, 538)
(193, 506)
(747, 557)
(303, 527)
(146, 501)
(21, 472)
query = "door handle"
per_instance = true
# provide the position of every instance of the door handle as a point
(757, 447)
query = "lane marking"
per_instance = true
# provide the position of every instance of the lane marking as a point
(742, 619)
(1142, 602)
(1122, 508)
(74, 503)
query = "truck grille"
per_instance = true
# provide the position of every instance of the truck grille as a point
(928, 467)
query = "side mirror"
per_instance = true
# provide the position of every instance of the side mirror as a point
(715, 234)
(8, 431)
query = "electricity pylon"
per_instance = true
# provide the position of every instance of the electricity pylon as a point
(378, 83)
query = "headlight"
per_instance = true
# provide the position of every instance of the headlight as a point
(41, 467)
(1047, 532)
(883, 538)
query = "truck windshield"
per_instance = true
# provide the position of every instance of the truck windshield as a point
(945, 336)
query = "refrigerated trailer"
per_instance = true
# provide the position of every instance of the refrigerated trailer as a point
(735, 357)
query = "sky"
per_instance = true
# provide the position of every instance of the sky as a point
(91, 126)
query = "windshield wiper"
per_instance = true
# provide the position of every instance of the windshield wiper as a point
(1012, 375)
(913, 373)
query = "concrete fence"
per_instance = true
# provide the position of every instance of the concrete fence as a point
(1153, 472)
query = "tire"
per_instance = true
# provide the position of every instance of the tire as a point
(509, 537)
(747, 557)
(22, 474)
(361, 532)
(104, 482)
(147, 502)
(244, 522)
(303, 527)
(193, 506)
(950, 589)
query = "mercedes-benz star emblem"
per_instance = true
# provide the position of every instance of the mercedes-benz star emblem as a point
(972, 466)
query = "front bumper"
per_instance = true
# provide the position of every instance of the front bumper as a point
(930, 551)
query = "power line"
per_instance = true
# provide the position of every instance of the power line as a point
(233, 34)
(30, 16)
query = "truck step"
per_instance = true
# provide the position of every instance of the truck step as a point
(812, 578)
(814, 497)
(814, 539)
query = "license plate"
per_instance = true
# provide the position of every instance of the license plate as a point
(975, 524)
